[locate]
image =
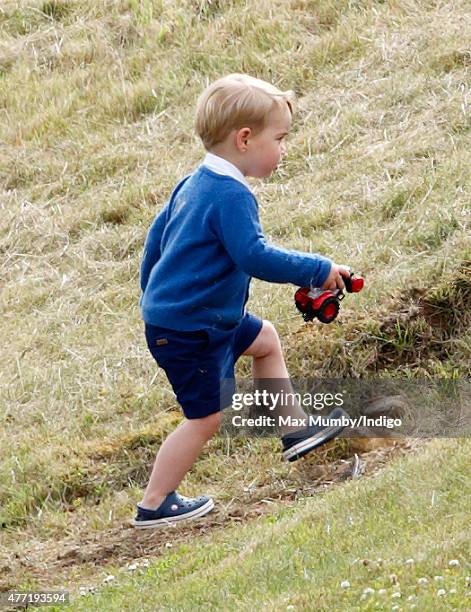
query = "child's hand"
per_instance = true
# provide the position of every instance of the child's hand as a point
(334, 280)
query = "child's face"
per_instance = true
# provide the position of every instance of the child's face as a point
(266, 148)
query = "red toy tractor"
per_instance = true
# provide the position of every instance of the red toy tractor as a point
(324, 304)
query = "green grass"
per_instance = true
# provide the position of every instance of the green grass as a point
(96, 108)
(365, 532)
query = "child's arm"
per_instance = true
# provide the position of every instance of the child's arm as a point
(238, 227)
(151, 253)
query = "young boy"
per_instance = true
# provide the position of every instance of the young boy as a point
(200, 254)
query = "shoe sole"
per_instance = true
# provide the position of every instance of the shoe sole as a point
(305, 446)
(167, 522)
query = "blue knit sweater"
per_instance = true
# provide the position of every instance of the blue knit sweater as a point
(202, 250)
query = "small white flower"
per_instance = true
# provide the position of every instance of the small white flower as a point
(345, 584)
(109, 578)
(145, 563)
(413, 607)
(411, 598)
(409, 561)
(396, 594)
(396, 607)
(453, 563)
(453, 591)
(382, 592)
(368, 591)
(168, 545)
(290, 607)
(422, 580)
(441, 592)
(438, 578)
(132, 567)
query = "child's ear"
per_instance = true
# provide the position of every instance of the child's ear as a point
(242, 137)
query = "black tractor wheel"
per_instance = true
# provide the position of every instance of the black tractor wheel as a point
(328, 311)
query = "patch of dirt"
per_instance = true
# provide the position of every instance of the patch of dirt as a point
(85, 557)
(425, 321)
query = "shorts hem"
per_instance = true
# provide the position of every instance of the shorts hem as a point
(200, 412)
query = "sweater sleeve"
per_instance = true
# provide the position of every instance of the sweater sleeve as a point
(151, 253)
(238, 226)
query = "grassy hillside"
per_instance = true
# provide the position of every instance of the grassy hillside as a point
(96, 107)
(402, 552)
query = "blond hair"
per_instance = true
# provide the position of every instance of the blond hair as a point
(235, 101)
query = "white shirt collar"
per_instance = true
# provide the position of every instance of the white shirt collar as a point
(222, 166)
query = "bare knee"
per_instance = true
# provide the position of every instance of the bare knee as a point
(208, 425)
(269, 341)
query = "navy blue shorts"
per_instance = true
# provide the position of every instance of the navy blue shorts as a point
(200, 364)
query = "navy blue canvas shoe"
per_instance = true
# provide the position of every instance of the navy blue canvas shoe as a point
(303, 441)
(175, 508)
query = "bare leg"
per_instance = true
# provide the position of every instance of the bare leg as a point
(176, 456)
(269, 363)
